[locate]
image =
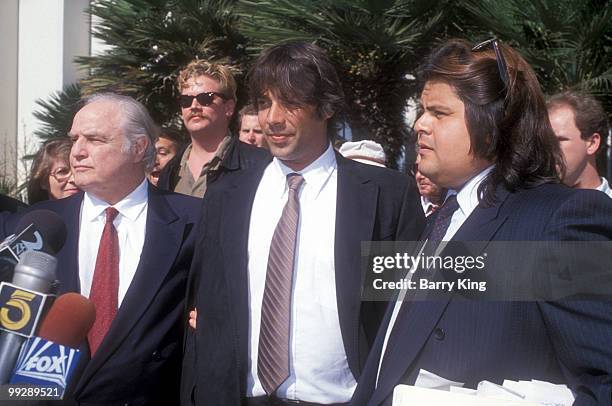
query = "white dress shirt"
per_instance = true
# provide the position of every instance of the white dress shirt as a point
(605, 187)
(131, 228)
(467, 198)
(318, 367)
(428, 206)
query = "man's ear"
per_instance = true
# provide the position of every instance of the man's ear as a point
(230, 106)
(593, 143)
(139, 147)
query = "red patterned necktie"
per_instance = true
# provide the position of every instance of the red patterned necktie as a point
(105, 285)
(273, 358)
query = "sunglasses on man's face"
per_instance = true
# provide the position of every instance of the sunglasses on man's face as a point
(204, 99)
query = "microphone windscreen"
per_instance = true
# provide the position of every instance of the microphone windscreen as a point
(68, 320)
(49, 224)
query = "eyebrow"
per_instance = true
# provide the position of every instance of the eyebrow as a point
(437, 107)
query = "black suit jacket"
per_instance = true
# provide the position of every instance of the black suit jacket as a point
(138, 362)
(239, 155)
(8, 204)
(472, 340)
(372, 204)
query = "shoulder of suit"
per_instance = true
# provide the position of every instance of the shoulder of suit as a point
(384, 177)
(251, 155)
(183, 205)
(549, 196)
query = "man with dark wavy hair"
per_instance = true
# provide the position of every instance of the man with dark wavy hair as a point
(279, 318)
(484, 134)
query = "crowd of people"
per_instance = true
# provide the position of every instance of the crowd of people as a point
(226, 269)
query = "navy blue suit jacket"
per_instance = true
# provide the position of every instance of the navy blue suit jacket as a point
(372, 204)
(139, 360)
(469, 341)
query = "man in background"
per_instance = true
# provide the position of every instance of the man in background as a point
(207, 100)
(581, 126)
(432, 196)
(169, 143)
(250, 130)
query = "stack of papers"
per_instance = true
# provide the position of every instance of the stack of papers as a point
(436, 390)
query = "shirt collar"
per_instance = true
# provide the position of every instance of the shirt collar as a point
(218, 156)
(604, 187)
(467, 197)
(129, 207)
(315, 175)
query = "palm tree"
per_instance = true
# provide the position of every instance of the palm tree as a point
(56, 113)
(151, 40)
(566, 41)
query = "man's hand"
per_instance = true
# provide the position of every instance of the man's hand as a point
(193, 315)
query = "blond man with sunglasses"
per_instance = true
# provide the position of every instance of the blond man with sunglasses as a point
(207, 101)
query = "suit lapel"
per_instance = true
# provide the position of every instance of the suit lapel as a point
(68, 257)
(236, 208)
(355, 216)
(422, 317)
(162, 242)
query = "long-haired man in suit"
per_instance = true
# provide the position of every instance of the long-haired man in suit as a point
(484, 134)
(279, 317)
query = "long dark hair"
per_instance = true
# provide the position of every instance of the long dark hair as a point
(507, 122)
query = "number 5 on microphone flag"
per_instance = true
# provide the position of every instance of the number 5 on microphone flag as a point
(20, 309)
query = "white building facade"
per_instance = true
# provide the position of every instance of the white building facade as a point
(39, 40)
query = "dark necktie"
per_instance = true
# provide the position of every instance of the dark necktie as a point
(273, 358)
(440, 226)
(441, 223)
(105, 285)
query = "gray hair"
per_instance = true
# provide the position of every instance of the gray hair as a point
(137, 123)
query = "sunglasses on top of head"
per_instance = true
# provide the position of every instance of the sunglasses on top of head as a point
(204, 99)
(502, 67)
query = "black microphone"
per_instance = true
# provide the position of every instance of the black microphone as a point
(38, 230)
(50, 359)
(22, 303)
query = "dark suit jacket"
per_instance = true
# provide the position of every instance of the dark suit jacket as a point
(11, 205)
(239, 155)
(139, 360)
(372, 204)
(470, 340)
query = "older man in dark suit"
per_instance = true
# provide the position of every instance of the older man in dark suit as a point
(280, 318)
(484, 134)
(129, 247)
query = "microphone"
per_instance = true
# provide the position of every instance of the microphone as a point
(21, 304)
(50, 359)
(38, 230)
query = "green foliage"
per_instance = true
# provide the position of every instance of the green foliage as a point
(56, 113)
(567, 42)
(151, 40)
(375, 44)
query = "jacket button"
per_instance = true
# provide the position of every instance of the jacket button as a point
(156, 356)
(439, 334)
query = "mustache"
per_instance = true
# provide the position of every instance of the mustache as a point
(196, 114)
